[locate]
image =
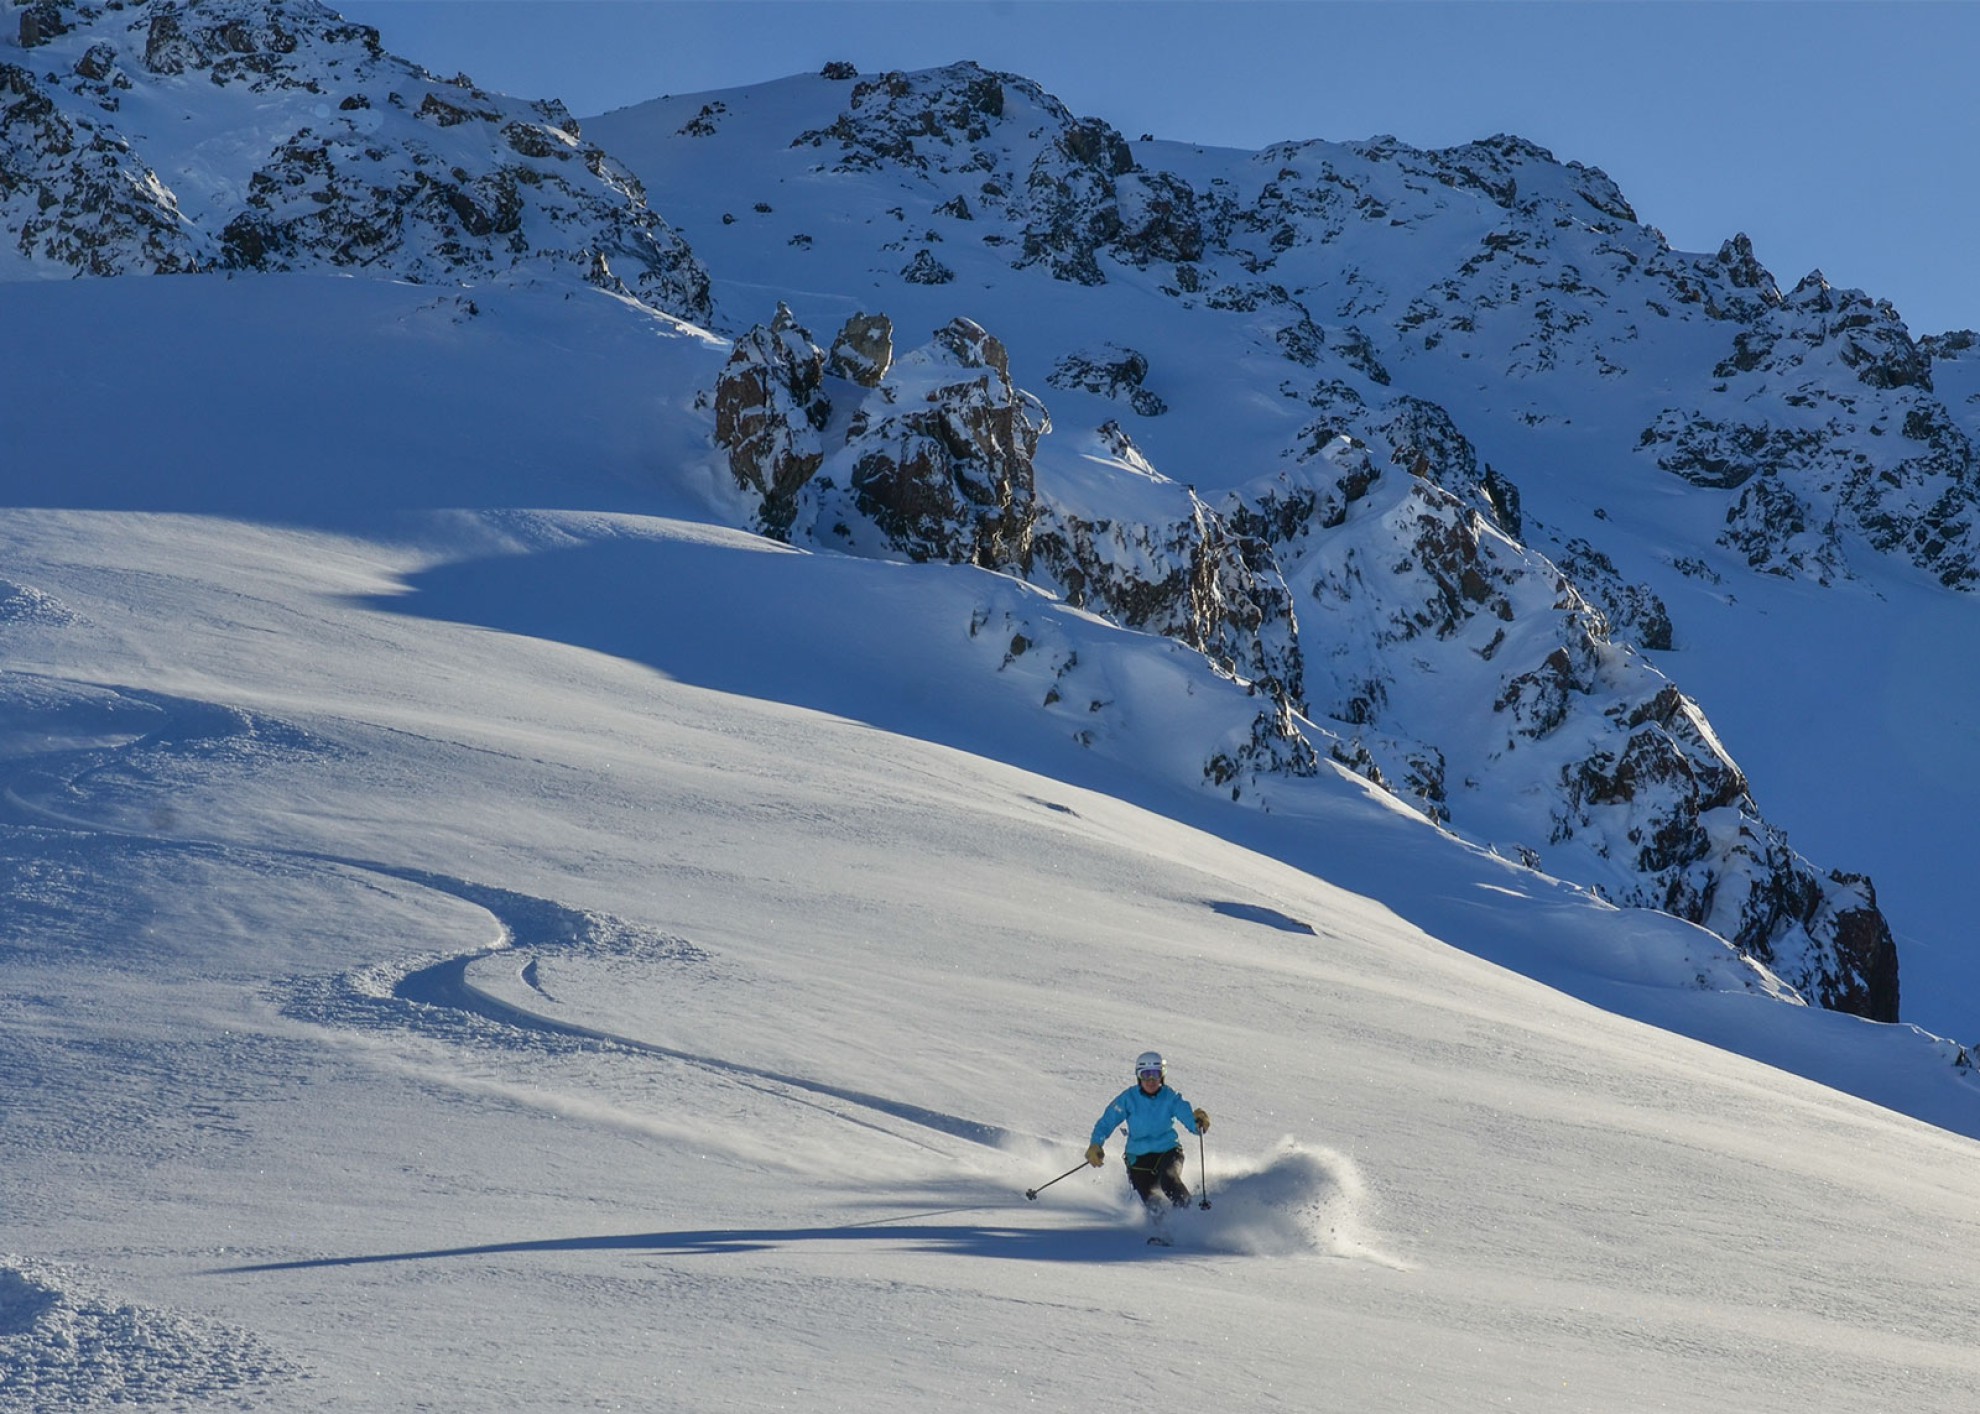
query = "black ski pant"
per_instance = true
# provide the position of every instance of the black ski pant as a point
(1147, 1171)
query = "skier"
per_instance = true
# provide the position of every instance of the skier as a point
(1150, 1110)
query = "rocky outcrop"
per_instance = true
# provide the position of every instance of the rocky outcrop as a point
(934, 459)
(1959, 343)
(1702, 851)
(925, 269)
(1112, 371)
(935, 462)
(72, 193)
(864, 350)
(375, 165)
(1402, 566)
(939, 456)
(770, 407)
(1398, 563)
(1826, 423)
(1194, 576)
(996, 146)
(1633, 612)
(1392, 598)
(1819, 422)
(1409, 434)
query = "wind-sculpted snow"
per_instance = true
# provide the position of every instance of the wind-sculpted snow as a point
(420, 994)
(23, 604)
(1295, 1202)
(177, 739)
(66, 1344)
(446, 986)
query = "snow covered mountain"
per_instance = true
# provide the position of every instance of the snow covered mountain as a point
(1307, 347)
(287, 139)
(582, 817)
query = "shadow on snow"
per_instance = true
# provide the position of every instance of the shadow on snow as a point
(1110, 1243)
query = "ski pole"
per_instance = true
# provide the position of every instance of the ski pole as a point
(1034, 1192)
(1203, 1171)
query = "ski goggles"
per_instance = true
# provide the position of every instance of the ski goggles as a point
(1148, 1075)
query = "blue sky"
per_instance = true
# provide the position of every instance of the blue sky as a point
(1839, 136)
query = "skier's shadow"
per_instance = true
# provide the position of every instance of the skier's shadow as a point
(1098, 1243)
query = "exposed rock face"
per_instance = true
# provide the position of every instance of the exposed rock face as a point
(370, 164)
(1406, 602)
(1704, 854)
(940, 458)
(1633, 611)
(925, 269)
(1399, 576)
(934, 462)
(864, 350)
(1960, 343)
(1400, 564)
(1831, 429)
(1864, 980)
(770, 406)
(1111, 371)
(73, 195)
(1817, 422)
(1005, 149)
(1195, 577)
(41, 22)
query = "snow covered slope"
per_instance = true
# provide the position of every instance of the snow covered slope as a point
(482, 927)
(484, 934)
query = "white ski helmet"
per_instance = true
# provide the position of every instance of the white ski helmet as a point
(1150, 1060)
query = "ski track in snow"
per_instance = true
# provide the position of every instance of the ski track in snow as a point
(1295, 1201)
(445, 984)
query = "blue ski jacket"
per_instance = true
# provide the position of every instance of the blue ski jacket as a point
(1150, 1120)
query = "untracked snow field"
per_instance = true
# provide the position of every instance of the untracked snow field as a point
(475, 933)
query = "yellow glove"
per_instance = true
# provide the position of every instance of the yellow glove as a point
(1202, 1121)
(1095, 1155)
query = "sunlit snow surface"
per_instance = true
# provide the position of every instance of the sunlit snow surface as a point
(476, 933)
